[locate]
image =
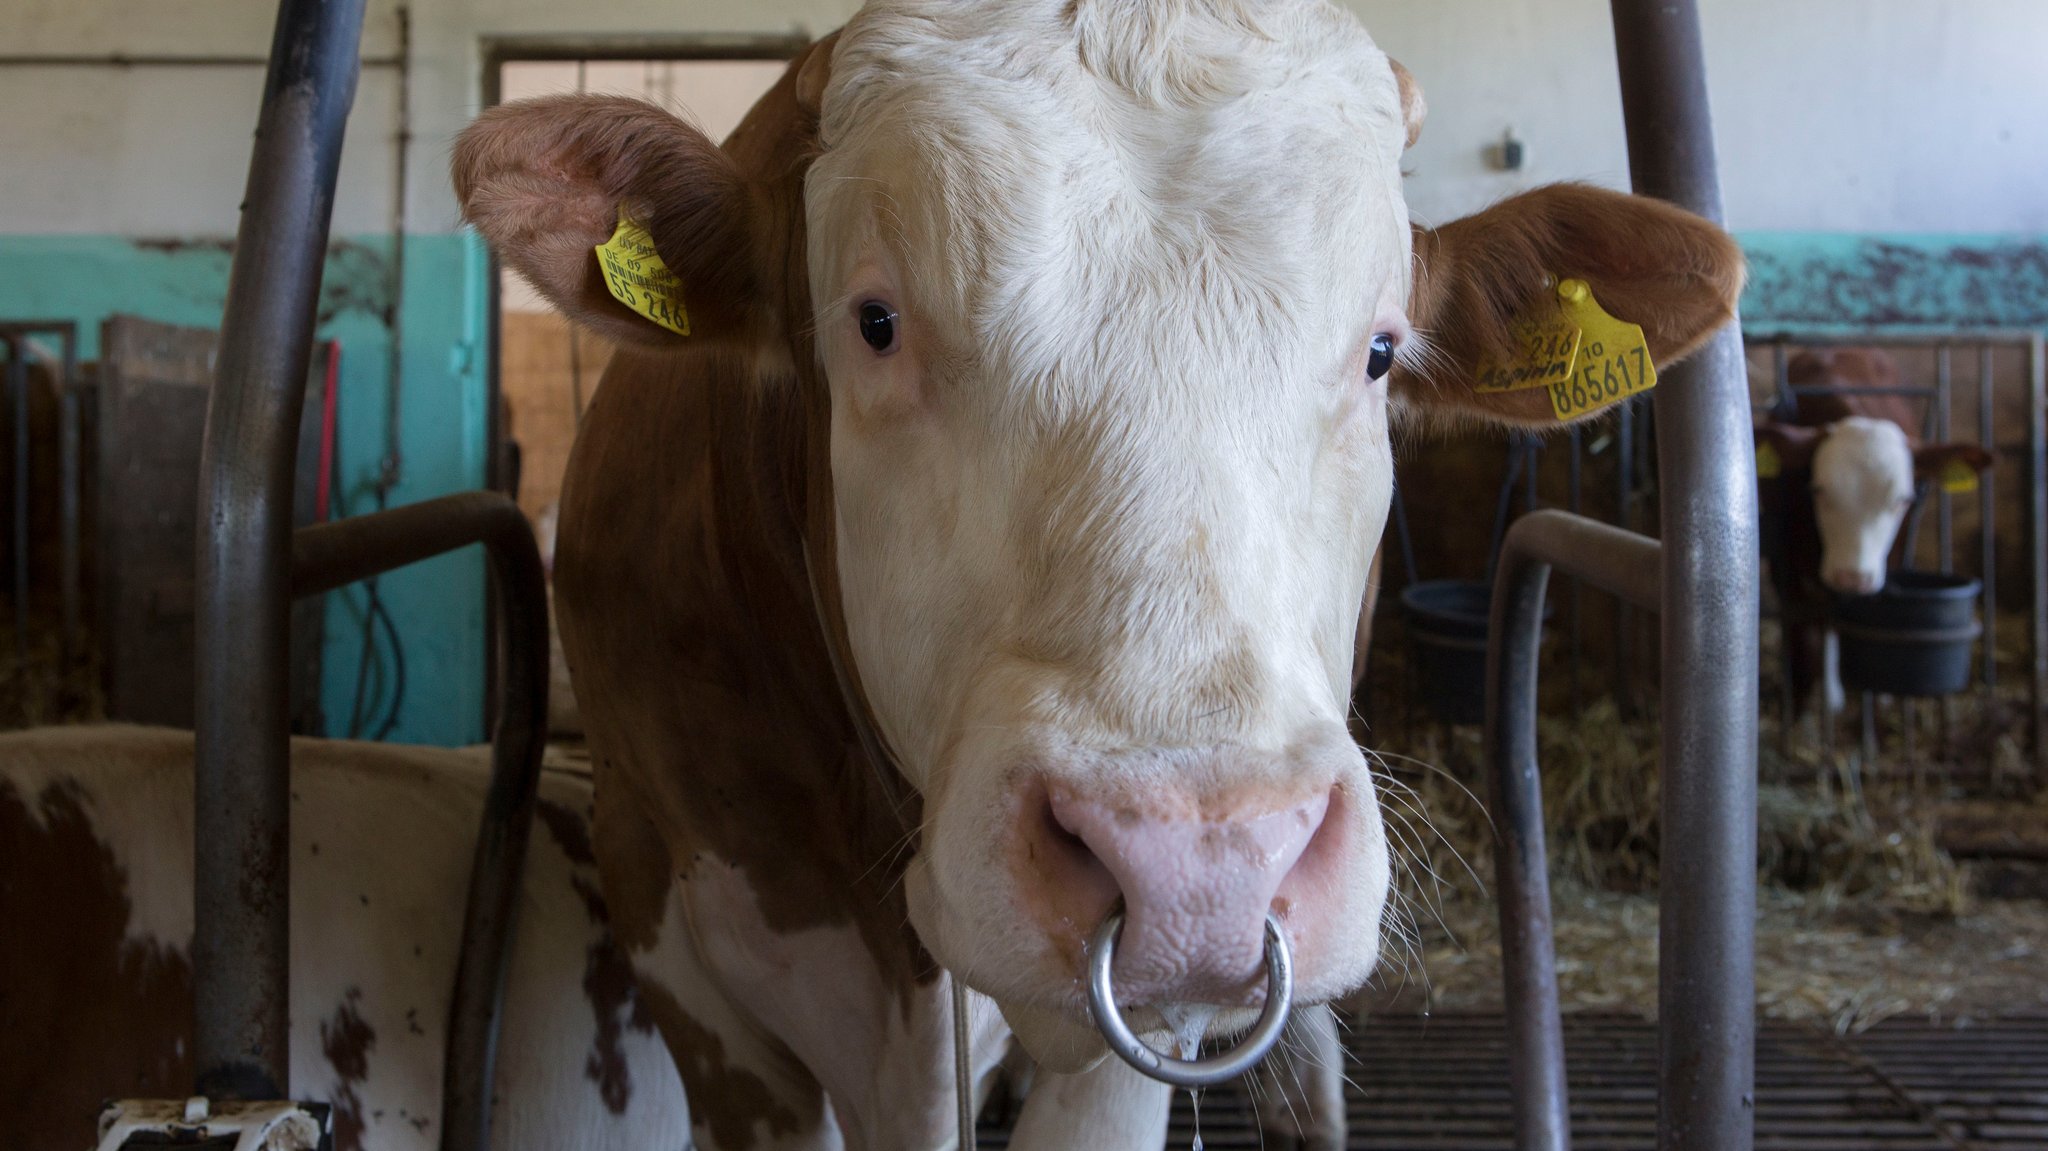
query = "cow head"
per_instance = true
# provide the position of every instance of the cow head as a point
(1864, 470)
(1110, 306)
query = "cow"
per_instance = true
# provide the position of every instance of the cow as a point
(969, 538)
(96, 977)
(1838, 473)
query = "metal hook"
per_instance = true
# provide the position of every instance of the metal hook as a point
(1183, 1072)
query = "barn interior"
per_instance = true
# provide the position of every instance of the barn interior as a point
(1880, 163)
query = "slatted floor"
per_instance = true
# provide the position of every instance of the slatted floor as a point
(1441, 1084)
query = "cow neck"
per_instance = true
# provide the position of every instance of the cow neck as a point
(797, 421)
(767, 156)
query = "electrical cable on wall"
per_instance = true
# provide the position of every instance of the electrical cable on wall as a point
(376, 615)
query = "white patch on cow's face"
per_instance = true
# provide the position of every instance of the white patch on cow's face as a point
(1862, 486)
(1108, 491)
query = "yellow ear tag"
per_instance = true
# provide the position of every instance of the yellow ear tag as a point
(637, 278)
(1546, 347)
(1958, 477)
(1768, 465)
(1613, 361)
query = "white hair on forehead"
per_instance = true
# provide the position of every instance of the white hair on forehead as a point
(1041, 167)
(1865, 458)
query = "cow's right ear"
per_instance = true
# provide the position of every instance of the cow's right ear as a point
(1791, 446)
(548, 180)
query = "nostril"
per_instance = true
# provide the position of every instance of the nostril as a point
(1067, 870)
(1056, 833)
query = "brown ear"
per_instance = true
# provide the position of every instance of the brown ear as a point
(814, 73)
(1793, 443)
(545, 181)
(1413, 107)
(1646, 261)
(1929, 460)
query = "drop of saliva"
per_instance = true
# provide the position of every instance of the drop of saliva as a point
(1189, 1022)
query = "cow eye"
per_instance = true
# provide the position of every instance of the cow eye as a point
(878, 326)
(1381, 359)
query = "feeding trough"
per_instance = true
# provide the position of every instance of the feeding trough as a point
(1447, 641)
(1912, 638)
(1447, 637)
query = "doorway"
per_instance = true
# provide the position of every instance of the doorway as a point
(545, 370)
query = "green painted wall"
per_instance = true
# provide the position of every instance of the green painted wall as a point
(438, 606)
(1837, 280)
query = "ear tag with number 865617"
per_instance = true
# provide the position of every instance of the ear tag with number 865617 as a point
(1583, 358)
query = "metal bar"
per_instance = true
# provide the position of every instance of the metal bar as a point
(1518, 446)
(332, 555)
(1987, 518)
(1625, 564)
(1905, 337)
(1575, 482)
(17, 389)
(70, 468)
(963, 1083)
(241, 947)
(1910, 391)
(1944, 504)
(155, 60)
(2037, 517)
(500, 50)
(1624, 507)
(1788, 703)
(1706, 992)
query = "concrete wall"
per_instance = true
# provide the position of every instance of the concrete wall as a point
(1885, 160)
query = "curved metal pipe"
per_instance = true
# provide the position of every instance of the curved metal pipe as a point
(241, 952)
(332, 555)
(1625, 564)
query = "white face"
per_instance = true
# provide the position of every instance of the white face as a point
(1097, 305)
(1862, 487)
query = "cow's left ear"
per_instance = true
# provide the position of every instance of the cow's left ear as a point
(1791, 447)
(1646, 262)
(1931, 461)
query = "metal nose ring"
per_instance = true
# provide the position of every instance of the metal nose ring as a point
(1183, 1072)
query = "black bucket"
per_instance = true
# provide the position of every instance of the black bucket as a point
(1912, 638)
(1447, 638)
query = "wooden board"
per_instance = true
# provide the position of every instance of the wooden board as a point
(154, 383)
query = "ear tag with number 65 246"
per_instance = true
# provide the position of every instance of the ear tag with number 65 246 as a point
(636, 276)
(1582, 357)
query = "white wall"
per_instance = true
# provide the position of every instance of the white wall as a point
(1849, 115)
(1831, 115)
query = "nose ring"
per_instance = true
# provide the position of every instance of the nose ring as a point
(1189, 1073)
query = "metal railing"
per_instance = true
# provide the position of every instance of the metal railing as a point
(251, 564)
(1705, 591)
(1939, 425)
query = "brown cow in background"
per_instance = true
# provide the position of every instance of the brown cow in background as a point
(1839, 473)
